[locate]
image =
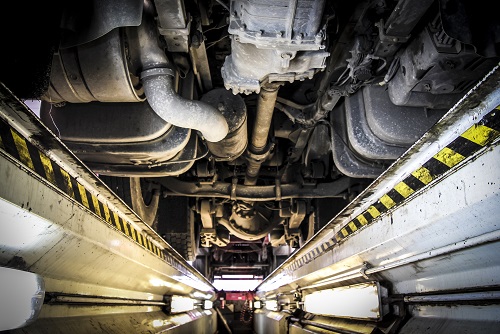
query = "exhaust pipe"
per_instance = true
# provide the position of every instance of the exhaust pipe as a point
(159, 90)
(157, 79)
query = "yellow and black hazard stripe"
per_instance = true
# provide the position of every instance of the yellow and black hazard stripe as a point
(12, 142)
(472, 140)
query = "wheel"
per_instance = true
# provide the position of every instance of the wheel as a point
(144, 201)
(178, 225)
(202, 264)
(137, 194)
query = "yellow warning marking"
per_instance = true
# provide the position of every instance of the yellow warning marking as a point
(125, 227)
(352, 226)
(387, 201)
(96, 205)
(47, 166)
(22, 149)
(404, 189)
(107, 216)
(480, 134)
(449, 157)
(362, 219)
(67, 181)
(423, 175)
(373, 211)
(344, 232)
(25, 158)
(117, 219)
(121, 225)
(83, 195)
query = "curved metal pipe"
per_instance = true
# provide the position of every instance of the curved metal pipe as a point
(157, 79)
(159, 90)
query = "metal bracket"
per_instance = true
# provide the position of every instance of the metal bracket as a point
(388, 38)
(206, 214)
(298, 214)
(277, 189)
(177, 38)
(234, 183)
(363, 270)
(209, 237)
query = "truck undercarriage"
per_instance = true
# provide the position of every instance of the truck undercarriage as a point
(232, 127)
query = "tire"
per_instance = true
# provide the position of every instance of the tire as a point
(171, 217)
(202, 264)
(134, 192)
(178, 225)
